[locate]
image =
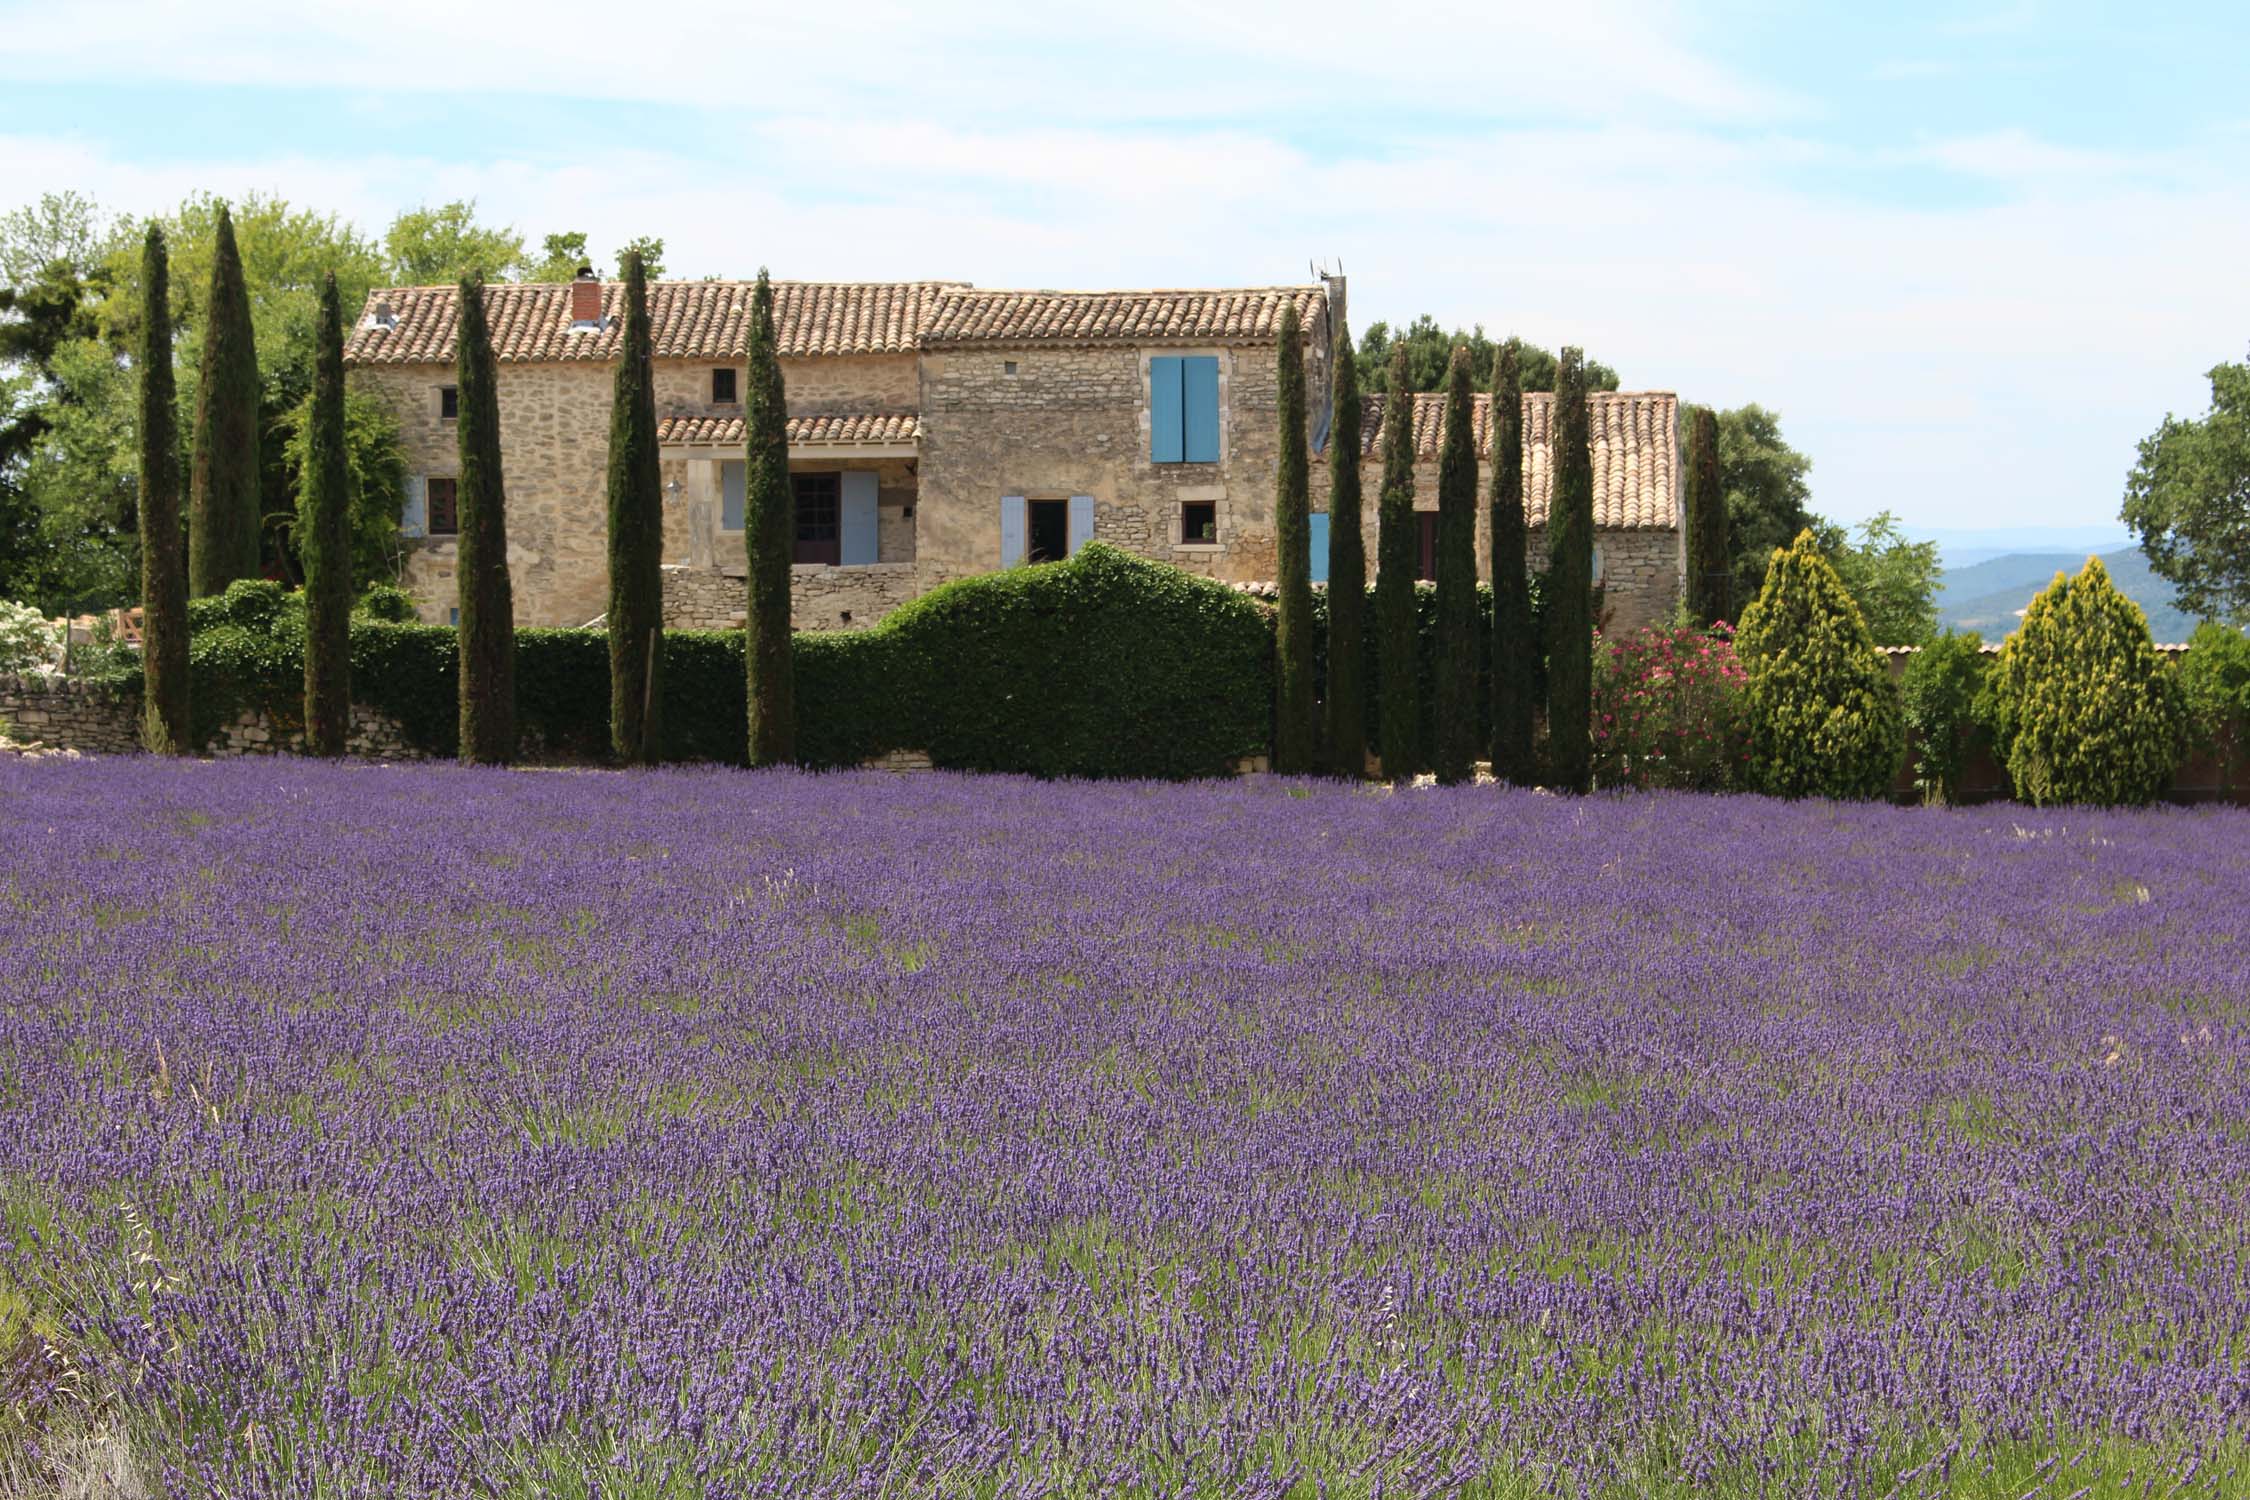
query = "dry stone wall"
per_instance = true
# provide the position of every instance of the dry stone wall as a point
(63, 711)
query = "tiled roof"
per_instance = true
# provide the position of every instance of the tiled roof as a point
(690, 320)
(964, 315)
(711, 319)
(861, 429)
(1634, 436)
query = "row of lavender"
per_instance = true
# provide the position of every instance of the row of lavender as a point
(417, 1131)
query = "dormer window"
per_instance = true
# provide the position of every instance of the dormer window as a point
(724, 391)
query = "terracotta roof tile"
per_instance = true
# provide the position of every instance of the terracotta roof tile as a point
(691, 320)
(1634, 436)
(1250, 315)
(856, 429)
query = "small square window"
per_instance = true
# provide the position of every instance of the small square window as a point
(449, 402)
(724, 392)
(1007, 367)
(444, 513)
(1199, 521)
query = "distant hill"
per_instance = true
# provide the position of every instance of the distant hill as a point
(1989, 597)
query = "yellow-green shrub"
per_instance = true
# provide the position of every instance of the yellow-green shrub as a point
(2084, 709)
(1824, 715)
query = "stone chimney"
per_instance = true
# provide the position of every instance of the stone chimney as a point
(586, 299)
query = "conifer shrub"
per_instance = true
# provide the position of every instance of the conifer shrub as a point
(1458, 702)
(223, 504)
(1942, 695)
(1295, 728)
(1824, 715)
(2084, 709)
(1345, 702)
(487, 628)
(165, 623)
(1570, 583)
(1515, 650)
(324, 542)
(1398, 544)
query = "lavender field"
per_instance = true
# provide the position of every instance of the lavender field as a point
(424, 1131)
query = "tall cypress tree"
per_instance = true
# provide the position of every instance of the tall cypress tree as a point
(1709, 576)
(769, 535)
(1570, 580)
(1294, 727)
(1398, 548)
(1347, 573)
(164, 628)
(223, 516)
(488, 626)
(1514, 653)
(1457, 579)
(325, 541)
(636, 536)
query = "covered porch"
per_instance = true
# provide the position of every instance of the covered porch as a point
(854, 477)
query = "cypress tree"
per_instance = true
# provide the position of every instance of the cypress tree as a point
(1347, 573)
(1398, 547)
(223, 516)
(324, 542)
(1457, 579)
(1514, 652)
(1570, 581)
(1294, 726)
(488, 627)
(636, 536)
(769, 535)
(164, 629)
(1708, 572)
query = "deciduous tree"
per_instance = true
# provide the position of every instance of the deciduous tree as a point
(1457, 697)
(488, 630)
(769, 535)
(636, 537)
(2188, 501)
(324, 543)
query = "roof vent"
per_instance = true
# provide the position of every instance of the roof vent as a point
(384, 316)
(585, 302)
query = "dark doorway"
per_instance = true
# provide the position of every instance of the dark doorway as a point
(1050, 530)
(1426, 569)
(819, 521)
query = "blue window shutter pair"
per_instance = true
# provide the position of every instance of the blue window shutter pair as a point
(731, 475)
(1011, 530)
(414, 511)
(1183, 409)
(1081, 522)
(858, 542)
(1319, 521)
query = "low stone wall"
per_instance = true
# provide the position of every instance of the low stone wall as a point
(70, 713)
(820, 597)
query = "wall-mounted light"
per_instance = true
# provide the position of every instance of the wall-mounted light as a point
(671, 492)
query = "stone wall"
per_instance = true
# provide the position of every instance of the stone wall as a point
(820, 598)
(68, 712)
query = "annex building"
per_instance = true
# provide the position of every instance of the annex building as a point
(939, 430)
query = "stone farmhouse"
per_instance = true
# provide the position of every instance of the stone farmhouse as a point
(938, 430)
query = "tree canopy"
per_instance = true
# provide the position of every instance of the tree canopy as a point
(2188, 501)
(1429, 350)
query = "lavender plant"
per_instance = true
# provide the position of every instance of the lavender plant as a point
(446, 1131)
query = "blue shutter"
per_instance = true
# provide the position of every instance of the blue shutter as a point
(730, 495)
(858, 518)
(1319, 521)
(1011, 530)
(1167, 440)
(1081, 522)
(1199, 399)
(414, 511)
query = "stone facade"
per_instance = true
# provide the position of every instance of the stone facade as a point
(820, 597)
(63, 711)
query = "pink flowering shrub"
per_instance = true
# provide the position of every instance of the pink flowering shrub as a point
(1670, 710)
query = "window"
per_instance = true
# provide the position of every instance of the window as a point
(444, 515)
(819, 522)
(448, 402)
(1199, 521)
(1183, 409)
(724, 392)
(1426, 568)
(1050, 531)
(730, 495)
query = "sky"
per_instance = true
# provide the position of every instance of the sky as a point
(1971, 252)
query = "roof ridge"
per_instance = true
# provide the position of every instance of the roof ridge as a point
(1138, 291)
